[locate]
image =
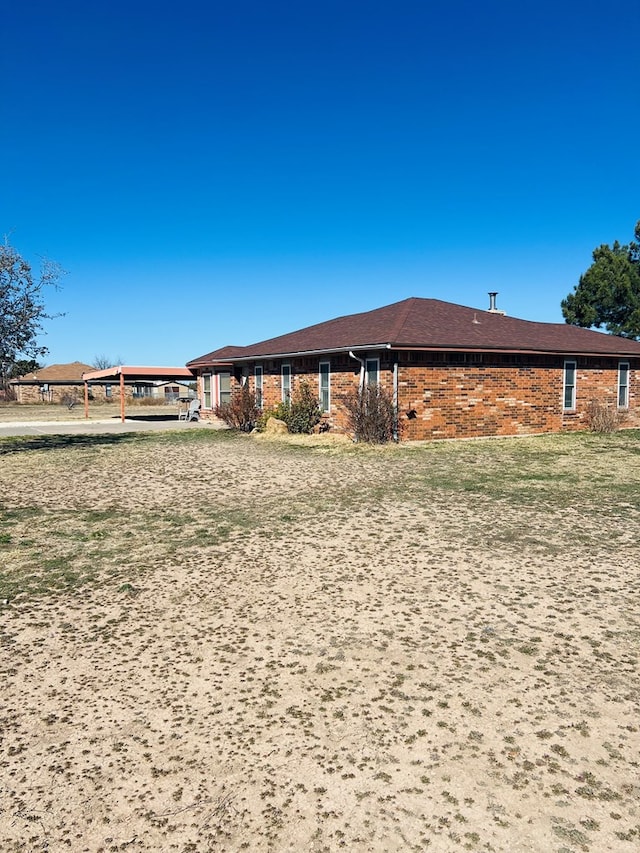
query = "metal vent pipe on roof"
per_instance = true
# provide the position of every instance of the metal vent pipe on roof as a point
(492, 303)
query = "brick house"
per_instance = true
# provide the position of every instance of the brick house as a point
(452, 371)
(60, 383)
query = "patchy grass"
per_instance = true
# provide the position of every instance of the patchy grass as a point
(216, 642)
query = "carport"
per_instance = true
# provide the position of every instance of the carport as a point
(127, 375)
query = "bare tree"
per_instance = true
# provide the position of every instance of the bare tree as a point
(102, 362)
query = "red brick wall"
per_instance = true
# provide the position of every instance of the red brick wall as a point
(344, 377)
(492, 398)
(441, 396)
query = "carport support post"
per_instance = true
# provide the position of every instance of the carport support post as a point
(121, 395)
(86, 399)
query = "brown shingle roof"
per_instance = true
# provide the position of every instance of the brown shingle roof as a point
(431, 324)
(57, 373)
(218, 355)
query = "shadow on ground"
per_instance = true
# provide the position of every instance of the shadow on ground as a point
(16, 444)
(150, 418)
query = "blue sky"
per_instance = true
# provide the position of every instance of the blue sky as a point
(215, 173)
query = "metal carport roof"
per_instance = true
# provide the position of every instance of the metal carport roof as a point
(127, 375)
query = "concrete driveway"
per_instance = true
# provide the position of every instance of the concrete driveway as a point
(140, 423)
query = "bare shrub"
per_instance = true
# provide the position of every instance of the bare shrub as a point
(241, 411)
(69, 399)
(148, 401)
(371, 415)
(602, 417)
(8, 394)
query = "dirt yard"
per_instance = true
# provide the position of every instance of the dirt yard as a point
(223, 643)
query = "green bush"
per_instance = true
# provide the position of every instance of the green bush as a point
(371, 415)
(281, 412)
(304, 411)
(301, 415)
(241, 411)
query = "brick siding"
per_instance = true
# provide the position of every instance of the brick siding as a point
(442, 395)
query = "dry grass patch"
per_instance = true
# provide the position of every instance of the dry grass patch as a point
(212, 642)
(52, 412)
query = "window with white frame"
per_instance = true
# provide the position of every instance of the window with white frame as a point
(569, 392)
(324, 383)
(107, 390)
(286, 383)
(206, 391)
(372, 371)
(259, 385)
(224, 393)
(623, 384)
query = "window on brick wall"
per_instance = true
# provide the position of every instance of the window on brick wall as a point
(372, 371)
(324, 380)
(569, 393)
(224, 387)
(206, 391)
(259, 385)
(285, 378)
(623, 384)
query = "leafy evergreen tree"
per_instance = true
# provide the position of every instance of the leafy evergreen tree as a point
(608, 293)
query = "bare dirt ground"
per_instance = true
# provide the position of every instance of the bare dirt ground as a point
(213, 642)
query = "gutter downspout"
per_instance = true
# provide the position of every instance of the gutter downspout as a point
(395, 401)
(361, 360)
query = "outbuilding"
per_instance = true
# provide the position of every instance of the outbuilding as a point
(60, 383)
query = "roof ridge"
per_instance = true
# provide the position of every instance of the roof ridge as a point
(402, 317)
